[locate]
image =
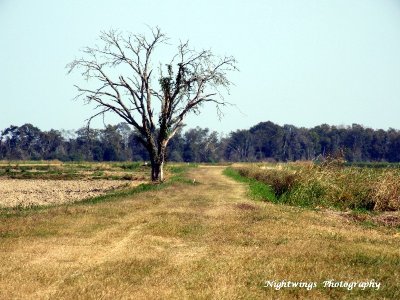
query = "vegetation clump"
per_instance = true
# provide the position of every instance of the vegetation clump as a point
(330, 184)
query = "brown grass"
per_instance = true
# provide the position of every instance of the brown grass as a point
(200, 241)
(330, 185)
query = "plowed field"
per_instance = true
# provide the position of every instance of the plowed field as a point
(17, 192)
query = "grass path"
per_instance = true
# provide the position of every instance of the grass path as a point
(191, 241)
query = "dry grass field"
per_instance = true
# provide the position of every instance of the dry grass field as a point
(185, 240)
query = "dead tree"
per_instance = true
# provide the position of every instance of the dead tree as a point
(122, 80)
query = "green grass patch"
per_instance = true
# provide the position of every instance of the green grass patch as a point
(257, 190)
(129, 165)
(179, 171)
(181, 168)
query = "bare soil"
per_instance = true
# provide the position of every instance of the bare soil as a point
(16, 192)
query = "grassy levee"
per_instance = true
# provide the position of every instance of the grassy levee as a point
(206, 240)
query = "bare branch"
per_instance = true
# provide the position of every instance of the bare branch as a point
(192, 78)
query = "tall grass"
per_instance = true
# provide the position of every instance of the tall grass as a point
(330, 185)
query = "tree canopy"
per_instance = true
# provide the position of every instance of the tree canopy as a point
(265, 141)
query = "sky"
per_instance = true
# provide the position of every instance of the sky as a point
(302, 62)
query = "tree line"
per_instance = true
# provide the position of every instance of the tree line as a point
(265, 141)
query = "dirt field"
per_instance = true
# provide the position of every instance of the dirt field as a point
(17, 192)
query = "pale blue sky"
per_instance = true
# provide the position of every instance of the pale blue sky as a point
(302, 62)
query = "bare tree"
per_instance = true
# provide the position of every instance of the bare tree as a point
(155, 104)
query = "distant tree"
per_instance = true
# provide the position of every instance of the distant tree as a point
(88, 145)
(267, 140)
(52, 145)
(289, 143)
(264, 141)
(23, 142)
(113, 144)
(379, 145)
(11, 148)
(240, 146)
(125, 131)
(139, 151)
(125, 83)
(393, 152)
(176, 147)
(200, 145)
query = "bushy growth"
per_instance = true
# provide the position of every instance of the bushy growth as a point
(281, 181)
(330, 185)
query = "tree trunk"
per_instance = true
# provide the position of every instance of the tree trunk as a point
(157, 159)
(157, 171)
